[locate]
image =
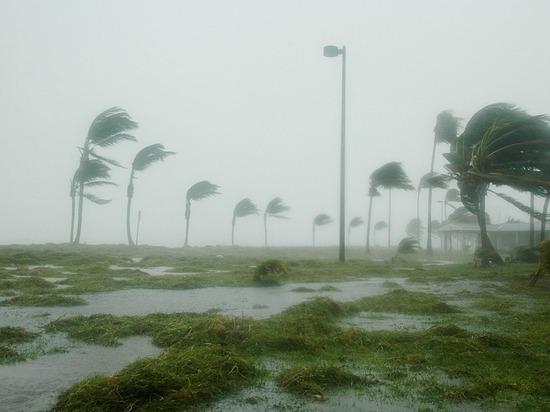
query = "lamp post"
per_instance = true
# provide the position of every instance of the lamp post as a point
(334, 51)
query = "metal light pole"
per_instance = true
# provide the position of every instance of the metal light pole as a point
(333, 51)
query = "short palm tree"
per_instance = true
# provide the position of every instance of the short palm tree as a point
(406, 246)
(109, 128)
(243, 208)
(390, 176)
(200, 190)
(355, 222)
(373, 192)
(275, 208)
(320, 220)
(380, 225)
(143, 160)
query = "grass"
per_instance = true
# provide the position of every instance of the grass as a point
(43, 300)
(10, 335)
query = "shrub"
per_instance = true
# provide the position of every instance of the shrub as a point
(266, 271)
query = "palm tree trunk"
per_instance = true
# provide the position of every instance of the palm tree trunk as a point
(374, 237)
(349, 233)
(485, 240)
(187, 219)
(233, 231)
(532, 222)
(76, 240)
(130, 195)
(418, 214)
(367, 248)
(313, 235)
(544, 216)
(137, 227)
(429, 226)
(389, 220)
(73, 210)
(265, 229)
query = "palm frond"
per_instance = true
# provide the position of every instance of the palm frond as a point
(111, 127)
(380, 225)
(95, 183)
(322, 219)
(446, 127)
(92, 169)
(434, 180)
(373, 192)
(112, 162)
(407, 246)
(245, 208)
(276, 207)
(521, 206)
(391, 176)
(452, 195)
(202, 190)
(414, 228)
(356, 221)
(93, 198)
(149, 155)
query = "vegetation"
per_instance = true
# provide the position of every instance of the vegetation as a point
(267, 270)
(353, 223)
(243, 208)
(320, 220)
(275, 208)
(200, 190)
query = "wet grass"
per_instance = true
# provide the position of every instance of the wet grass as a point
(43, 300)
(10, 335)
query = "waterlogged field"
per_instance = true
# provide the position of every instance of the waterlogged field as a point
(152, 329)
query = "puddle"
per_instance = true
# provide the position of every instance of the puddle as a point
(54, 279)
(31, 267)
(34, 385)
(120, 278)
(136, 259)
(153, 271)
(10, 268)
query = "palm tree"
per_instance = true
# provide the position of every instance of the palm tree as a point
(242, 209)
(380, 225)
(355, 222)
(108, 128)
(390, 176)
(501, 145)
(320, 220)
(429, 181)
(200, 190)
(373, 192)
(415, 228)
(144, 158)
(407, 246)
(275, 208)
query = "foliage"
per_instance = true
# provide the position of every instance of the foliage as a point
(244, 208)
(356, 221)
(111, 127)
(408, 245)
(452, 195)
(322, 219)
(414, 228)
(276, 207)
(433, 180)
(380, 225)
(202, 190)
(266, 270)
(149, 155)
(446, 127)
(391, 176)
(525, 254)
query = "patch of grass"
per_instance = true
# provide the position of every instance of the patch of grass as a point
(303, 289)
(328, 288)
(11, 334)
(8, 355)
(43, 300)
(494, 302)
(26, 283)
(177, 380)
(403, 301)
(268, 272)
(313, 380)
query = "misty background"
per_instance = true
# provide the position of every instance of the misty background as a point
(241, 91)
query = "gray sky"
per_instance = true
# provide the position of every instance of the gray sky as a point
(241, 91)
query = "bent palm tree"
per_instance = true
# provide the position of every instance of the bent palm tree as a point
(390, 176)
(320, 220)
(108, 128)
(380, 225)
(275, 208)
(198, 191)
(242, 209)
(355, 222)
(373, 192)
(144, 158)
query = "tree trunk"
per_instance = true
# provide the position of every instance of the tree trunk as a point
(187, 219)
(485, 240)
(73, 207)
(130, 195)
(349, 233)
(544, 216)
(233, 231)
(389, 220)
(418, 214)
(313, 236)
(532, 222)
(265, 230)
(367, 247)
(137, 227)
(76, 240)
(429, 226)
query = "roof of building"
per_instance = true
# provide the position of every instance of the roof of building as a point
(500, 227)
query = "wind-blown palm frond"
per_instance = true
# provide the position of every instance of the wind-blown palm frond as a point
(452, 195)
(463, 216)
(522, 207)
(391, 176)
(434, 180)
(202, 190)
(149, 155)
(245, 208)
(93, 198)
(96, 183)
(407, 246)
(356, 221)
(414, 228)
(322, 219)
(112, 162)
(276, 207)
(373, 192)
(446, 127)
(92, 169)
(111, 127)
(380, 225)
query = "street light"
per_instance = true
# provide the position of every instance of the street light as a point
(334, 51)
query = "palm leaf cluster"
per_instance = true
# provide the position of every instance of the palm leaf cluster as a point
(322, 220)
(415, 228)
(391, 176)
(408, 246)
(380, 225)
(149, 155)
(245, 208)
(276, 207)
(356, 221)
(199, 191)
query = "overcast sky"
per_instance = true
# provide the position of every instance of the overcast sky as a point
(241, 91)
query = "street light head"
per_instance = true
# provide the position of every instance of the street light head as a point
(331, 51)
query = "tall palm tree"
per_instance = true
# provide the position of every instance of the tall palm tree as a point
(108, 128)
(320, 220)
(390, 176)
(200, 190)
(143, 160)
(275, 208)
(501, 145)
(243, 208)
(373, 192)
(355, 222)
(445, 131)
(380, 225)
(429, 181)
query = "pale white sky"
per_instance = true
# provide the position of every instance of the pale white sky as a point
(242, 92)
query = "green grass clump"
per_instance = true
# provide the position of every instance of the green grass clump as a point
(176, 380)
(26, 283)
(266, 272)
(8, 355)
(11, 334)
(493, 302)
(313, 380)
(403, 301)
(43, 300)
(328, 288)
(303, 289)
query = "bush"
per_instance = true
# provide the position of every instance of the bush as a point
(266, 271)
(525, 254)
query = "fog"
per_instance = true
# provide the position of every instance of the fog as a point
(241, 91)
